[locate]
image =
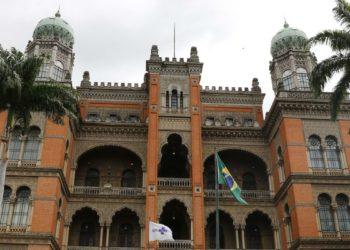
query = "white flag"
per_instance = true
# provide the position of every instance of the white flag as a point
(159, 232)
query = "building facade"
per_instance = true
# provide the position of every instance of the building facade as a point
(145, 152)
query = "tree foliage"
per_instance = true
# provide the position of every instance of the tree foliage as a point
(339, 42)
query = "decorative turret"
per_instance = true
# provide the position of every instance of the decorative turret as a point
(53, 39)
(292, 61)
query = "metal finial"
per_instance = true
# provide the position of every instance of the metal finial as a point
(286, 25)
(58, 14)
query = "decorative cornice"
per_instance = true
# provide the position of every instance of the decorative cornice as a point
(223, 132)
(131, 130)
(231, 97)
(29, 238)
(112, 93)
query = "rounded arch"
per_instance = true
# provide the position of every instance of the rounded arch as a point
(324, 197)
(73, 211)
(236, 148)
(23, 189)
(269, 216)
(86, 149)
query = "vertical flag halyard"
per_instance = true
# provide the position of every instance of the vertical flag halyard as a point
(224, 176)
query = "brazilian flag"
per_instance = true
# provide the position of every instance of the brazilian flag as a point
(224, 176)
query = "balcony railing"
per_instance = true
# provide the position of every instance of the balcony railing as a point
(177, 244)
(174, 182)
(82, 248)
(117, 191)
(328, 171)
(246, 194)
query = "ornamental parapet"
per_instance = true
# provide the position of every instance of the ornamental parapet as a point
(174, 182)
(109, 191)
(256, 195)
(176, 244)
(232, 132)
(134, 130)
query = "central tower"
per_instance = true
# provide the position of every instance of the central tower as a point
(174, 143)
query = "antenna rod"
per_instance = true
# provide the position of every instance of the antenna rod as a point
(174, 40)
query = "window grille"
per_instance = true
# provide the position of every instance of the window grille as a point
(174, 101)
(343, 212)
(325, 214)
(31, 145)
(332, 153)
(15, 145)
(5, 206)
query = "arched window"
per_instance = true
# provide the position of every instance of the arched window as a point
(229, 122)
(249, 182)
(325, 213)
(31, 145)
(21, 209)
(125, 235)
(128, 179)
(287, 80)
(332, 153)
(280, 164)
(15, 144)
(343, 212)
(167, 99)
(87, 234)
(92, 178)
(5, 206)
(174, 103)
(303, 79)
(315, 151)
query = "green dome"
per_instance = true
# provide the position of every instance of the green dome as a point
(288, 39)
(54, 27)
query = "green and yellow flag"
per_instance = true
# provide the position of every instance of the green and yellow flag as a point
(224, 176)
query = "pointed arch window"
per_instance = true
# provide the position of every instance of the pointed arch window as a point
(21, 209)
(249, 182)
(92, 178)
(125, 235)
(332, 153)
(343, 212)
(325, 213)
(14, 149)
(315, 151)
(287, 80)
(31, 145)
(288, 223)
(128, 179)
(174, 99)
(58, 71)
(5, 209)
(87, 234)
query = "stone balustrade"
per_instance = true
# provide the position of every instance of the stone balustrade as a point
(328, 171)
(174, 182)
(246, 194)
(82, 248)
(117, 191)
(177, 244)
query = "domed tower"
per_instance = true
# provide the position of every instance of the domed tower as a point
(53, 39)
(292, 61)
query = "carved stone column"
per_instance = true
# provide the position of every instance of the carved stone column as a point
(108, 226)
(101, 237)
(275, 237)
(243, 236)
(237, 235)
(72, 178)
(271, 187)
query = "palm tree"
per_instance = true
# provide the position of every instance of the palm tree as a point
(20, 96)
(339, 41)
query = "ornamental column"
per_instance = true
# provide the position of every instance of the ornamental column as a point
(108, 226)
(101, 237)
(153, 67)
(195, 69)
(243, 236)
(65, 236)
(237, 235)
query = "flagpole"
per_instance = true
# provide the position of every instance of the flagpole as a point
(217, 217)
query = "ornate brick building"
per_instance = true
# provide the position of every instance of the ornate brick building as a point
(145, 152)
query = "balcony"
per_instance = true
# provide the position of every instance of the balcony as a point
(174, 182)
(113, 191)
(177, 244)
(328, 171)
(82, 248)
(256, 195)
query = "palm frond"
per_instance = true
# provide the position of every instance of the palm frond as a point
(342, 13)
(28, 71)
(338, 40)
(339, 93)
(325, 70)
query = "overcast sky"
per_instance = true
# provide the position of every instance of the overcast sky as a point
(113, 38)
